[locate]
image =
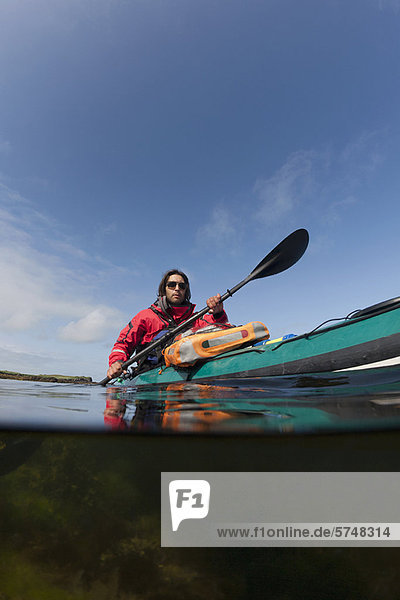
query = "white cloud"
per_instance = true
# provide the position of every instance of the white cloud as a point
(27, 359)
(222, 229)
(68, 248)
(335, 210)
(24, 360)
(393, 5)
(5, 146)
(35, 288)
(280, 194)
(91, 327)
(361, 156)
(310, 185)
(324, 183)
(40, 286)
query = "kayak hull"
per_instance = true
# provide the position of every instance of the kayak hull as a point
(351, 343)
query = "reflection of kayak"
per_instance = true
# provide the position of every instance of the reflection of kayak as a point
(365, 338)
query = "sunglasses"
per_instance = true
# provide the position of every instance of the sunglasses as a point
(171, 285)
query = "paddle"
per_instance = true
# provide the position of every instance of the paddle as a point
(283, 256)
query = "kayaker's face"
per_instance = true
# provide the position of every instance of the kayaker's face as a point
(175, 290)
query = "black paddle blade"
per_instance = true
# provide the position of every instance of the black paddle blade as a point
(286, 254)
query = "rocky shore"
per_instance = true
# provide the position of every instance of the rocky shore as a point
(44, 378)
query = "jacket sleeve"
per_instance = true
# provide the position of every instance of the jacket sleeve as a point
(128, 339)
(210, 319)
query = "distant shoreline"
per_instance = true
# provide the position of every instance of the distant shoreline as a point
(44, 378)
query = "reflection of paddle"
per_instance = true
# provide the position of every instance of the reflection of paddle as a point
(285, 255)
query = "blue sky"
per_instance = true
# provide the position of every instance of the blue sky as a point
(136, 136)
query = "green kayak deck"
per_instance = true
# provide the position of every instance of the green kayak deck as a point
(370, 336)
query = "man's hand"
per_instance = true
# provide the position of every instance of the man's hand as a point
(215, 305)
(115, 370)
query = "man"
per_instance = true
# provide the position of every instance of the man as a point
(171, 308)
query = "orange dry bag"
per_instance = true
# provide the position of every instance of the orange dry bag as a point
(188, 350)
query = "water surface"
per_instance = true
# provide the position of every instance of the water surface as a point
(326, 402)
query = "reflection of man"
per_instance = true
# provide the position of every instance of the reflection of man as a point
(171, 308)
(168, 410)
(115, 410)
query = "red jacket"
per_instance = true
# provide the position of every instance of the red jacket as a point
(143, 328)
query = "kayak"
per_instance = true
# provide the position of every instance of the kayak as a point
(363, 339)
